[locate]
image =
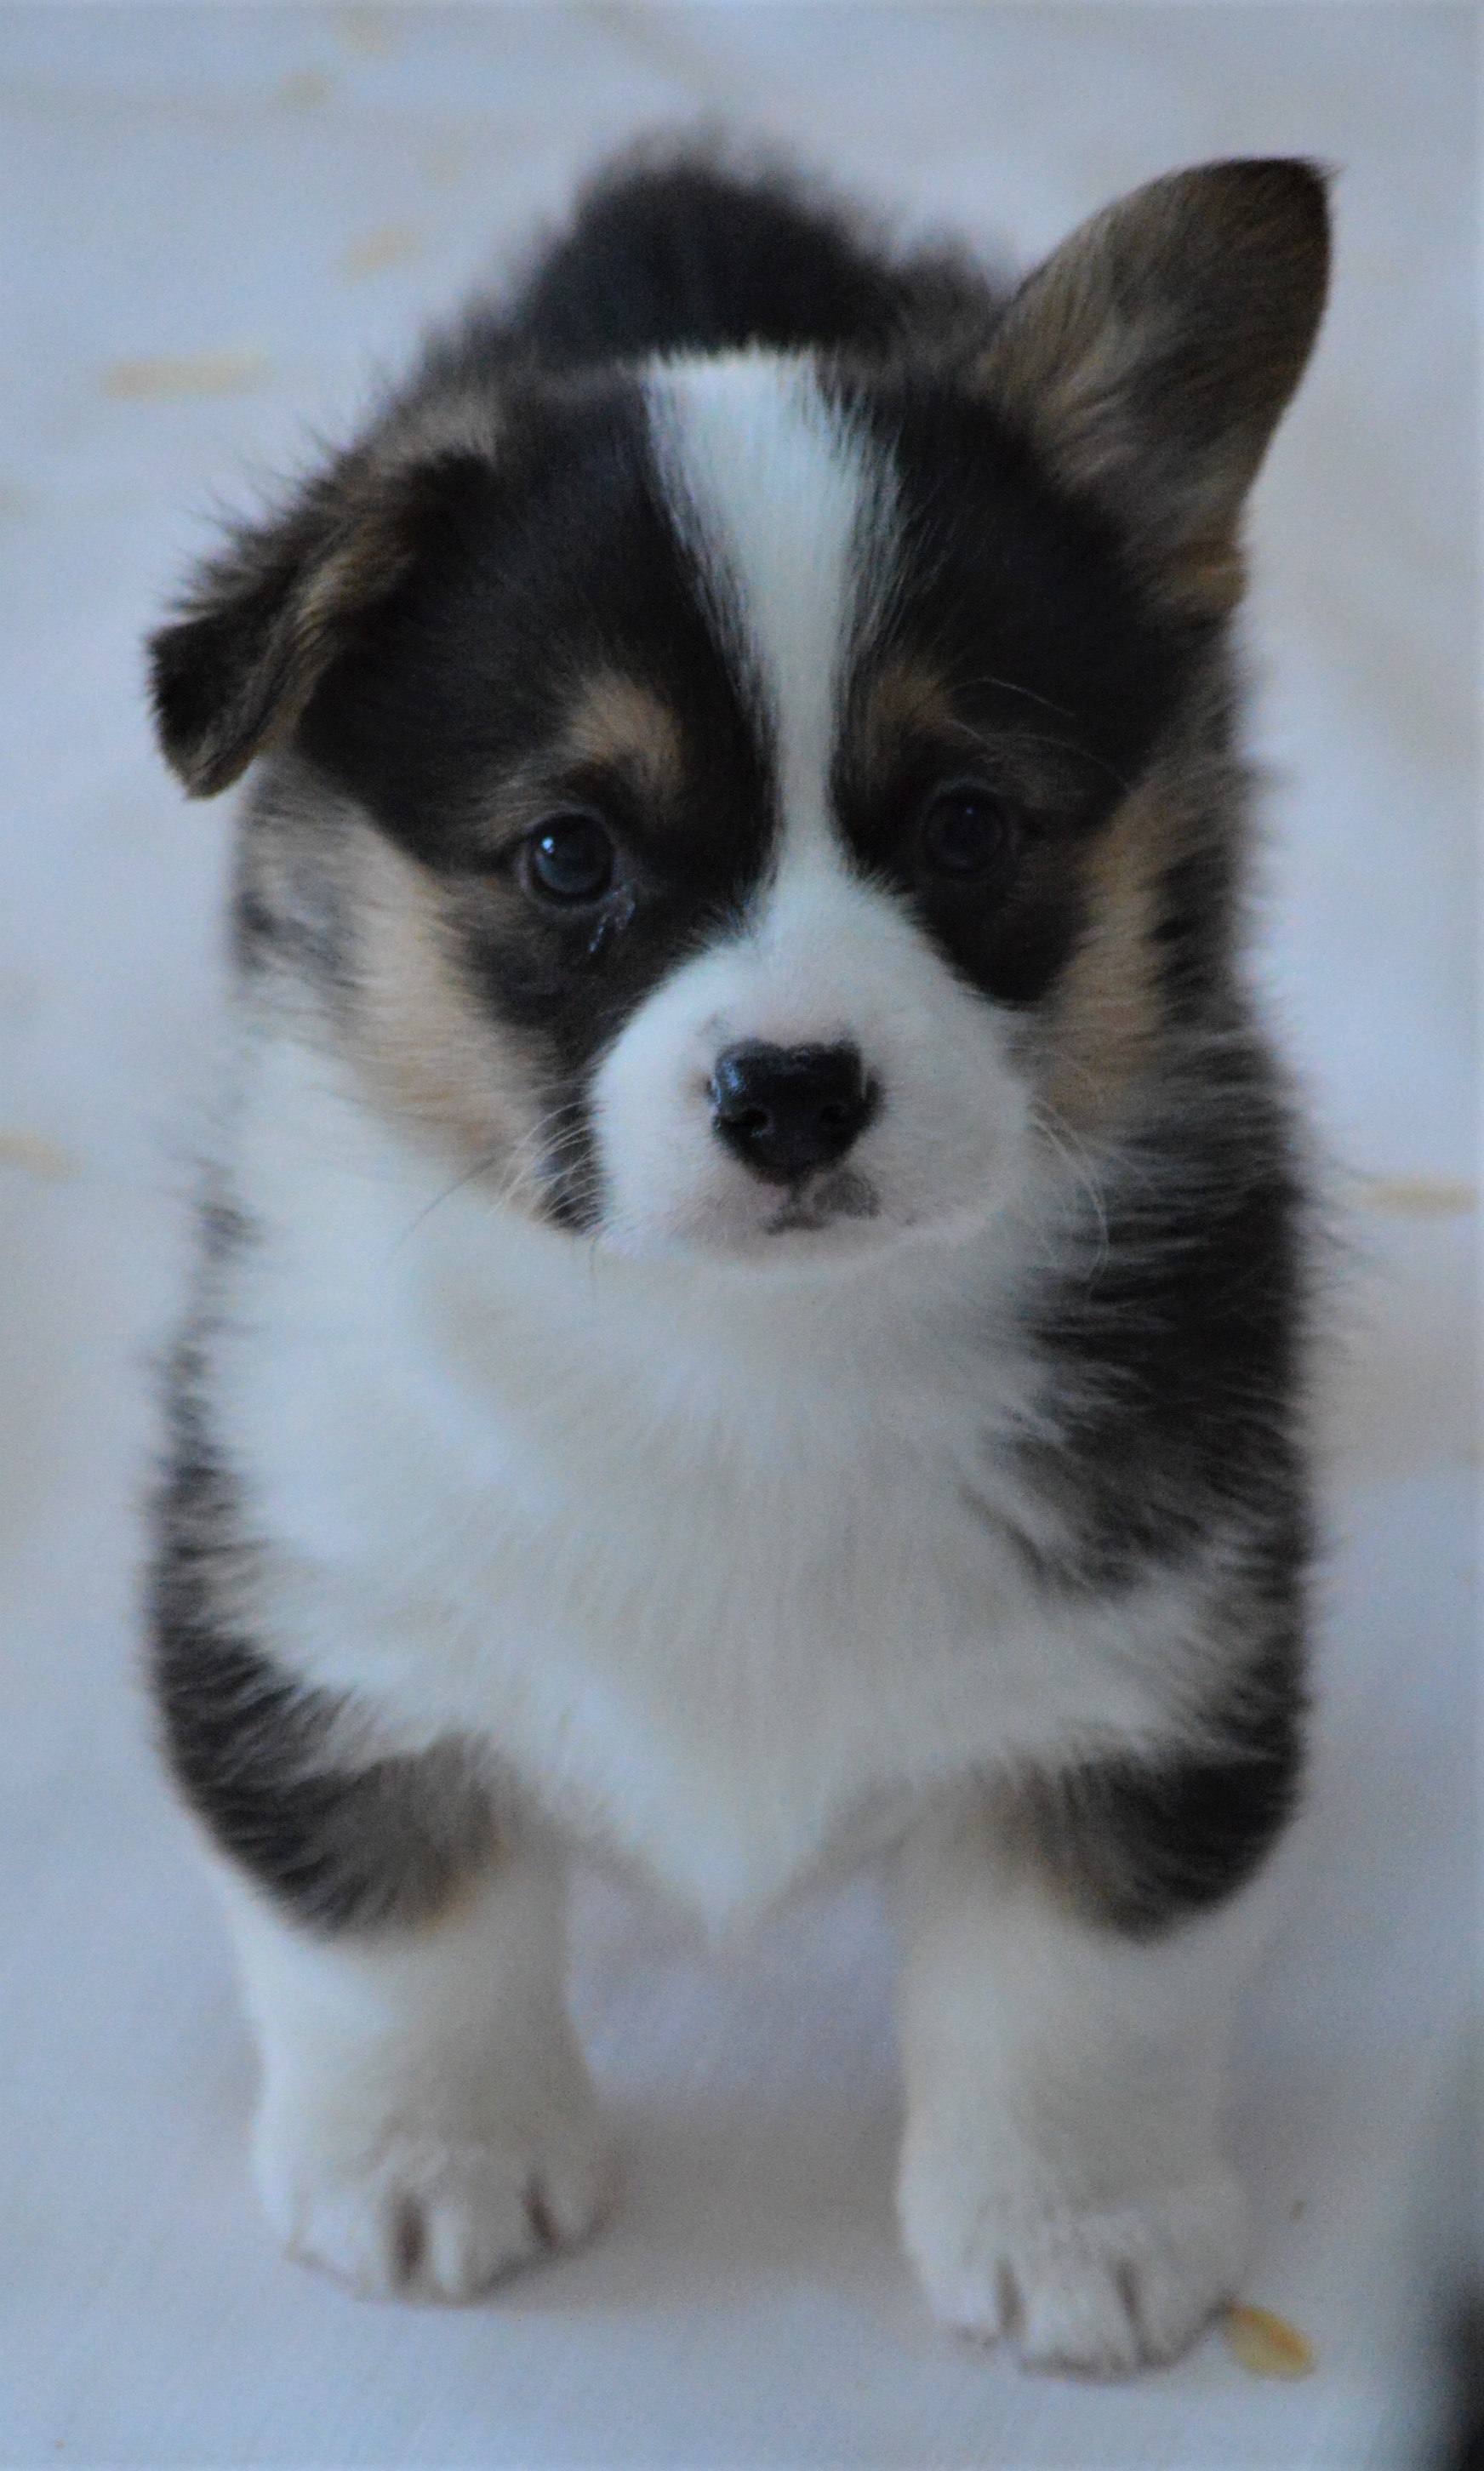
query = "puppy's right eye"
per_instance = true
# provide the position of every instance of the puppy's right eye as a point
(571, 860)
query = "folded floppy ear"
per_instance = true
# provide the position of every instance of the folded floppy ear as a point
(263, 620)
(1150, 358)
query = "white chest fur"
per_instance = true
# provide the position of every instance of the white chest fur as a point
(716, 1557)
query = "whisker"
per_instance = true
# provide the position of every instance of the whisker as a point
(1079, 753)
(1076, 1156)
(1010, 685)
(479, 1168)
(517, 1158)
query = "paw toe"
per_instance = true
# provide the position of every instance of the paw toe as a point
(427, 2220)
(1095, 2293)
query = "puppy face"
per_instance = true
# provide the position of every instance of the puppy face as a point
(752, 736)
(852, 1051)
(780, 748)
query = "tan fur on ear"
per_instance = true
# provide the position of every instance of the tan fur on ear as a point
(1153, 354)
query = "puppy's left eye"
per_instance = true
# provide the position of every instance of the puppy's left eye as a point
(967, 835)
(570, 859)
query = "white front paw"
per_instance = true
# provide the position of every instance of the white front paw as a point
(414, 2213)
(1095, 2290)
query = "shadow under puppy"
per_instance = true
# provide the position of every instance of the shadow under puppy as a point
(751, 1298)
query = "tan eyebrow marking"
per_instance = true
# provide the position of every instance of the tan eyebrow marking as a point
(905, 697)
(616, 722)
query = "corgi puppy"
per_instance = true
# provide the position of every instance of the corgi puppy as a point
(752, 1290)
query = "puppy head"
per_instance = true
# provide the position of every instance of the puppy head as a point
(788, 760)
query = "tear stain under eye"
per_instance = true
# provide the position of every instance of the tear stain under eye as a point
(606, 927)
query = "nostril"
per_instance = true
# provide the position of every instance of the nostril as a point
(783, 1109)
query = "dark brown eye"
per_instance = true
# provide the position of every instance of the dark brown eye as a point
(570, 859)
(967, 835)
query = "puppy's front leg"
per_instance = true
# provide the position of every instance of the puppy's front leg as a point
(1060, 2183)
(426, 2120)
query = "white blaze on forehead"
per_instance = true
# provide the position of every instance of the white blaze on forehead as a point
(786, 508)
(789, 513)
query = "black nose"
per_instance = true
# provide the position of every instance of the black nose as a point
(785, 1109)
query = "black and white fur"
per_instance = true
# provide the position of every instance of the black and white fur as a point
(752, 1292)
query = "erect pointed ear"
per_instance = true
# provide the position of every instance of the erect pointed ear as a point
(262, 621)
(1152, 355)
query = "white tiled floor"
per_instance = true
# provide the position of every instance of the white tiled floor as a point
(289, 192)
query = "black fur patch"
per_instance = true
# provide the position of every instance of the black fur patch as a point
(1193, 931)
(1173, 1348)
(1142, 1844)
(340, 1847)
(687, 256)
(1058, 675)
(1173, 1368)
